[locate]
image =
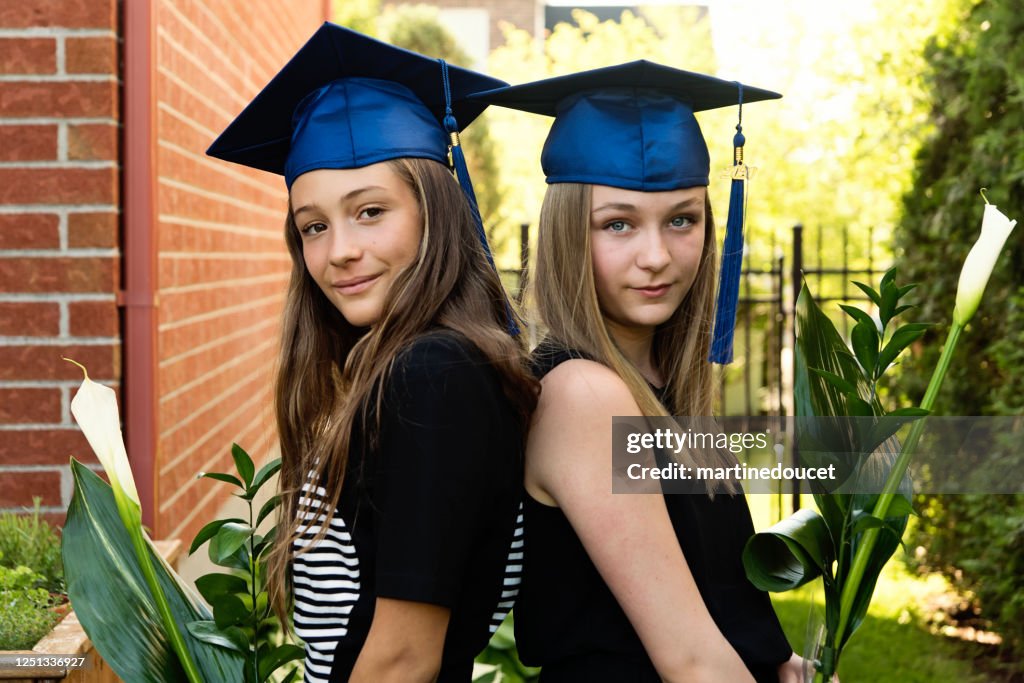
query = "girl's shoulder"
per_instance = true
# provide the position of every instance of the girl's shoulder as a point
(442, 363)
(438, 349)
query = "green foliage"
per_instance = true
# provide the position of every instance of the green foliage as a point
(833, 384)
(417, 28)
(359, 15)
(243, 621)
(501, 653)
(677, 36)
(113, 599)
(976, 84)
(27, 610)
(27, 540)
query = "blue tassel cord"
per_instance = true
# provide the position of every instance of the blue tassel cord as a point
(732, 254)
(458, 160)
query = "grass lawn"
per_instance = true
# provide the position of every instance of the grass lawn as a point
(892, 645)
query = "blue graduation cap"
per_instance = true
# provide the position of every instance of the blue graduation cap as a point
(632, 126)
(346, 100)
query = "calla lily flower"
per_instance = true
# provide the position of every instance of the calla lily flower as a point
(95, 408)
(995, 228)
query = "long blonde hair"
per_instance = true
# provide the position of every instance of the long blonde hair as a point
(566, 299)
(330, 374)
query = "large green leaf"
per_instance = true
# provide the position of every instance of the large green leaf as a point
(112, 601)
(789, 553)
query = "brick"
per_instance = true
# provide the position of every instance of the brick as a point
(19, 488)
(69, 13)
(60, 274)
(44, 446)
(88, 142)
(93, 319)
(71, 98)
(29, 319)
(30, 405)
(29, 231)
(22, 362)
(91, 55)
(28, 143)
(58, 186)
(28, 56)
(93, 229)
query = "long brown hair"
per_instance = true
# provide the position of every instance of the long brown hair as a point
(566, 299)
(331, 374)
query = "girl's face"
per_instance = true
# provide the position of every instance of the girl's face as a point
(646, 248)
(360, 228)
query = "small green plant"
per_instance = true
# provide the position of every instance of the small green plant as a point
(242, 618)
(501, 653)
(27, 610)
(27, 540)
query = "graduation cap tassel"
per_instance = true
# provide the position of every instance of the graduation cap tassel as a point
(458, 160)
(732, 254)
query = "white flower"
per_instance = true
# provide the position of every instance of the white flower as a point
(95, 408)
(995, 228)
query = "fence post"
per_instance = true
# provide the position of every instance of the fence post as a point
(797, 275)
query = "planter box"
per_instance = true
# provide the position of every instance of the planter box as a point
(68, 638)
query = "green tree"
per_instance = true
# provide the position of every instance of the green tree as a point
(418, 28)
(976, 85)
(589, 43)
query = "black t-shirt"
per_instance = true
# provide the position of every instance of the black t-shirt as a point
(569, 622)
(426, 517)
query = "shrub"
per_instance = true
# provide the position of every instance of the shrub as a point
(27, 610)
(28, 541)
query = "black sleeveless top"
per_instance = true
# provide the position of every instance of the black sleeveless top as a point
(568, 621)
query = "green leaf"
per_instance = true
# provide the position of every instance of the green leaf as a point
(243, 463)
(123, 624)
(901, 309)
(211, 586)
(890, 297)
(858, 407)
(836, 381)
(871, 293)
(900, 339)
(265, 473)
(230, 638)
(237, 560)
(903, 291)
(209, 531)
(267, 508)
(229, 610)
(865, 346)
(272, 660)
(890, 276)
(790, 553)
(857, 314)
(230, 538)
(220, 476)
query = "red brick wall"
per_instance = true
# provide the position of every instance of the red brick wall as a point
(222, 265)
(59, 257)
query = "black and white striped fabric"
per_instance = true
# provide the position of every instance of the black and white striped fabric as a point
(326, 584)
(513, 575)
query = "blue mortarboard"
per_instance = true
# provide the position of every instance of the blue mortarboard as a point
(632, 126)
(346, 100)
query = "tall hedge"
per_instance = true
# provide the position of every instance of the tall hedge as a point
(977, 82)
